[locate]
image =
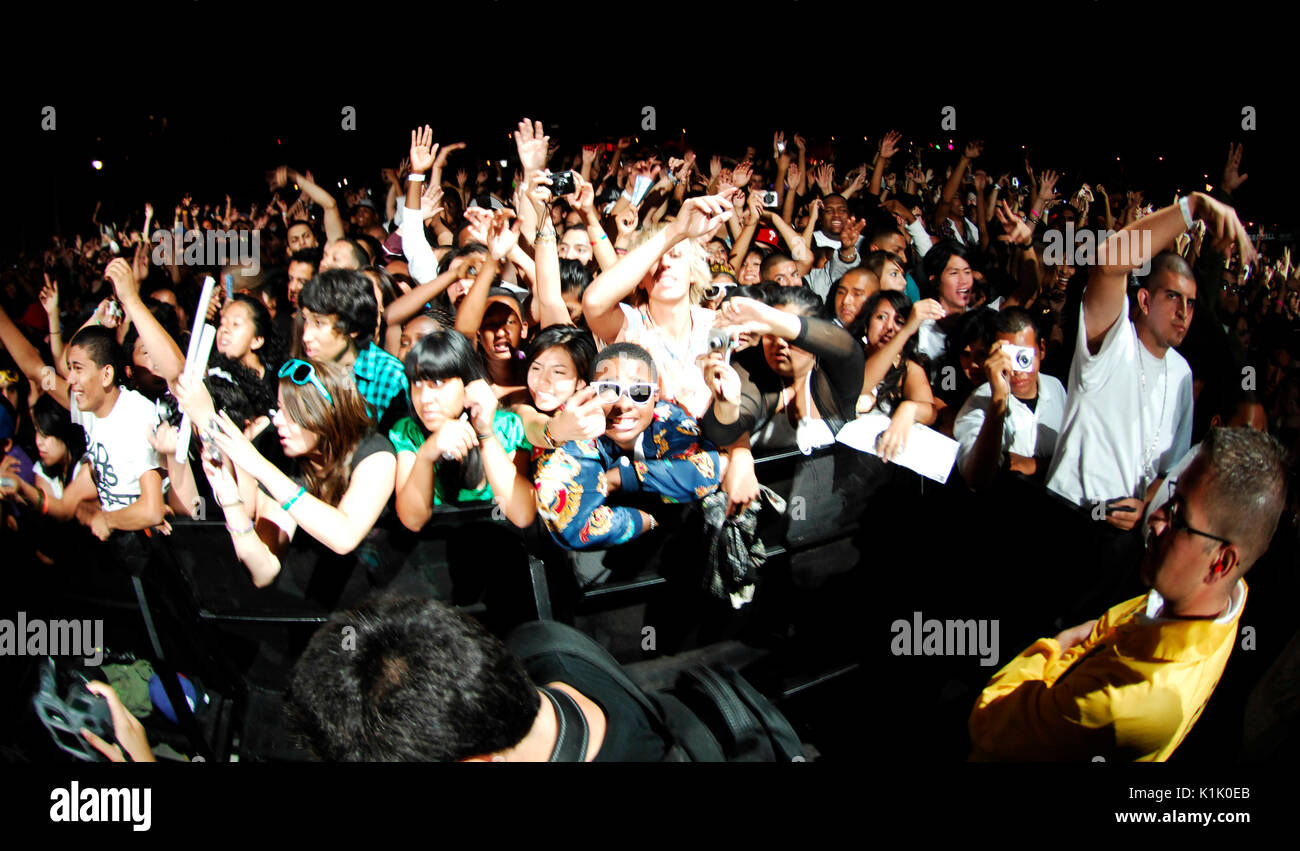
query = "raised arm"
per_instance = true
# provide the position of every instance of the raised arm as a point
(333, 220)
(1137, 243)
(509, 478)
(168, 360)
(879, 363)
(29, 361)
(501, 238)
(600, 302)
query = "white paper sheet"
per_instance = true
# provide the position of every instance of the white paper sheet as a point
(928, 452)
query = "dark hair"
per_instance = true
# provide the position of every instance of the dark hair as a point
(53, 419)
(769, 261)
(238, 391)
(373, 248)
(311, 255)
(349, 296)
(1013, 320)
(884, 229)
(297, 222)
(166, 316)
(438, 356)
(936, 260)
(875, 262)
(576, 341)
(808, 301)
(271, 355)
(1166, 261)
(1247, 487)
(418, 681)
(101, 346)
(574, 277)
(628, 350)
(890, 390)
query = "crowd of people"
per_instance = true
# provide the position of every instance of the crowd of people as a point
(613, 322)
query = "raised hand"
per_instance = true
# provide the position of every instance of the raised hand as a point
(778, 145)
(588, 155)
(1018, 231)
(531, 142)
(502, 236)
(900, 212)
(1047, 188)
(926, 308)
(700, 215)
(624, 143)
(851, 231)
(584, 197)
(981, 181)
(480, 222)
(140, 263)
(124, 283)
(430, 201)
(626, 221)
(889, 144)
(741, 173)
(793, 177)
(715, 167)
(799, 142)
(424, 151)
(1231, 178)
(973, 149)
(441, 159)
(1224, 228)
(824, 176)
(50, 297)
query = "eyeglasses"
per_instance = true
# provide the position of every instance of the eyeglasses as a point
(301, 372)
(609, 392)
(1176, 521)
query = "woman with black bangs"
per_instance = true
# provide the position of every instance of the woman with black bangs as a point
(457, 445)
(893, 381)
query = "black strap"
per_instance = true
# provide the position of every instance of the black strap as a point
(572, 734)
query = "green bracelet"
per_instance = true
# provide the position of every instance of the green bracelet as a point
(286, 506)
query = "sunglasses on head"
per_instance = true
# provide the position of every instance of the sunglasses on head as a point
(301, 372)
(609, 392)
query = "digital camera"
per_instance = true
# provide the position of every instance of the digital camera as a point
(562, 183)
(768, 199)
(720, 341)
(1022, 357)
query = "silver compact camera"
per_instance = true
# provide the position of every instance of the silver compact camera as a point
(1022, 357)
(768, 199)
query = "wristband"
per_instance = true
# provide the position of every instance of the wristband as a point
(286, 506)
(483, 437)
(602, 236)
(1186, 211)
(232, 502)
(415, 177)
(251, 526)
(546, 434)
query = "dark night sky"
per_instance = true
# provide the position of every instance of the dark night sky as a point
(227, 122)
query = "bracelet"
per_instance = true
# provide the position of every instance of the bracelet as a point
(239, 501)
(544, 236)
(1186, 211)
(546, 434)
(45, 508)
(603, 235)
(286, 506)
(483, 437)
(415, 177)
(251, 526)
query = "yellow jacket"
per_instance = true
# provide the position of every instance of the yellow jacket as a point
(1130, 692)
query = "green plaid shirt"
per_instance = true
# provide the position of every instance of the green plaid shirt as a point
(380, 378)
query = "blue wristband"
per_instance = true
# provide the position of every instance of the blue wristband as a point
(286, 506)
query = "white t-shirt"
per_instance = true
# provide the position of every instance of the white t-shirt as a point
(118, 447)
(1112, 428)
(1024, 432)
(55, 483)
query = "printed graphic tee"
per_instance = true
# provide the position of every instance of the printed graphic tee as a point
(117, 447)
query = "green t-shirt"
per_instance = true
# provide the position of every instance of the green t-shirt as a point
(408, 436)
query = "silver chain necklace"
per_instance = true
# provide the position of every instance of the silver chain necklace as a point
(1148, 455)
